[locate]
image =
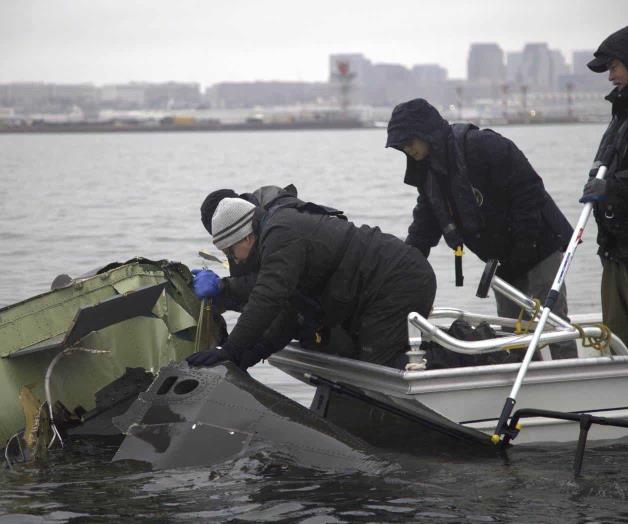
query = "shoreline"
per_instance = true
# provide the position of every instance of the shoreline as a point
(118, 127)
(142, 127)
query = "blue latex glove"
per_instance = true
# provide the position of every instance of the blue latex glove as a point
(594, 191)
(206, 283)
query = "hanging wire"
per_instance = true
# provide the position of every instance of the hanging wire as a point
(6, 449)
(55, 431)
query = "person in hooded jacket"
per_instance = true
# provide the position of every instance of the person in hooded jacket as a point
(364, 280)
(477, 189)
(610, 195)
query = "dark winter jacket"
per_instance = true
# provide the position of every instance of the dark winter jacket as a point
(612, 214)
(328, 260)
(478, 189)
(268, 198)
(300, 317)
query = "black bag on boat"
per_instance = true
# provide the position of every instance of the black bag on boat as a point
(438, 357)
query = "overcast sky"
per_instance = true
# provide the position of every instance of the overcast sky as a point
(209, 41)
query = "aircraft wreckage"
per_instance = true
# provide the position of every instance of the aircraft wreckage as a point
(103, 354)
(85, 359)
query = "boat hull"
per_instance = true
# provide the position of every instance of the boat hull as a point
(473, 397)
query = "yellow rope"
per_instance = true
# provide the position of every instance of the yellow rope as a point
(519, 330)
(598, 343)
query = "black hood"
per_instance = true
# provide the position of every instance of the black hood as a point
(615, 46)
(417, 119)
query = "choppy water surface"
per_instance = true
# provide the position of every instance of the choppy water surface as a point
(69, 203)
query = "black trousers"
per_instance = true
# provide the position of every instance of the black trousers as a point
(382, 334)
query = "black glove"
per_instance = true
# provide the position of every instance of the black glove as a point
(244, 359)
(209, 357)
(594, 191)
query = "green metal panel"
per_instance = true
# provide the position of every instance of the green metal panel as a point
(148, 342)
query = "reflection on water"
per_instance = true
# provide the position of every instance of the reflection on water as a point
(69, 203)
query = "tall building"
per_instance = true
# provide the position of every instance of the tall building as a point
(427, 74)
(485, 63)
(514, 60)
(536, 66)
(582, 78)
(348, 74)
(559, 67)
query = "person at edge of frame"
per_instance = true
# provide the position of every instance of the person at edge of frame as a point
(610, 195)
(477, 189)
(364, 280)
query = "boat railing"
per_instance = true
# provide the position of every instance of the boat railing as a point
(476, 347)
(556, 330)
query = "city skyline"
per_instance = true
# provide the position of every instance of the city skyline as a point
(192, 41)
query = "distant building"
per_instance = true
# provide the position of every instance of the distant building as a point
(580, 60)
(558, 66)
(389, 84)
(429, 74)
(172, 95)
(485, 63)
(536, 66)
(40, 97)
(349, 75)
(25, 95)
(251, 94)
(354, 63)
(123, 96)
(582, 78)
(514, 74)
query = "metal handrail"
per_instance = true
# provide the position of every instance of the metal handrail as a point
(477, 347)
(504, 288)
(510, 292)
(507, 290)
(473, 318)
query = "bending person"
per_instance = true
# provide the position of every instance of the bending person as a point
(476, 188)
(302, 318)
(364, 280)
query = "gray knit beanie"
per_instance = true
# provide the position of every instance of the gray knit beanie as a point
(232, 221)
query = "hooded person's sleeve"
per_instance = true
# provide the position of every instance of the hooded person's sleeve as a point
(424, 231)
(283, 258)
(524, 188)
(617, 188)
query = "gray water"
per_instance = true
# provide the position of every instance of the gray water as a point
(70, 203)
